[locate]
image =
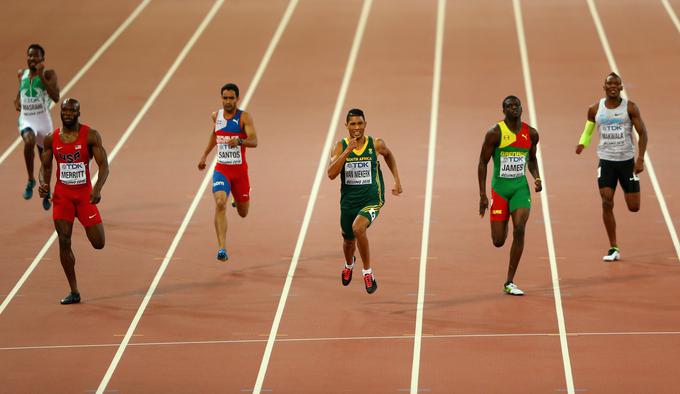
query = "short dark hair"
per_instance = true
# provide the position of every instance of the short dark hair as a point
(38, 47)
(230, 86)
(613, 74)
(71, 100)
(510, 98)
(355, 112)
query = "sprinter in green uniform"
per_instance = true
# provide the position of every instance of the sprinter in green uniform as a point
(362, 192)
(512, 144)
(37, 89)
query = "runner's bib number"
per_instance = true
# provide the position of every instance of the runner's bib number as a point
(228, 155)
(358, 173)
(72, 173)
(612, 136)
(512, 166)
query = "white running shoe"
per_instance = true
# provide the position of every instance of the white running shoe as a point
(512, 289)
(612, 255)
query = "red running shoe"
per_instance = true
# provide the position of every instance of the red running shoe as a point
(371, 283)
(347, 273)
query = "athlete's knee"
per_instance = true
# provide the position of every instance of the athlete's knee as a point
(498, 242)
(98, 243)
(634, 207)
(607, 203)
(242, 210)
(359, 230)
(221, 204)
(64, 241)
(518, 231)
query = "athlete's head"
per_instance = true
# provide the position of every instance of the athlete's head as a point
(355, 122)
(70, 112)
(229, 97)
(34, 55)
(512, 107)
(613, 85)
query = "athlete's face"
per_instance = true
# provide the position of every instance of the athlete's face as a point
(70, 112)
(356, 126)
(613, 87)
(34, 57)
(229, 100)
(512, 108)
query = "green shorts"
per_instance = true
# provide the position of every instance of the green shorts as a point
(347, 216)
(507, 197)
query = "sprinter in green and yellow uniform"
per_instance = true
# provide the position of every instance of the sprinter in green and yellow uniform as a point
(512, 144)
(362, 193)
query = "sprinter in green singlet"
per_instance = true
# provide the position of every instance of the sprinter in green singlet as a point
(362, 192)
(37, 89)
(512, 144)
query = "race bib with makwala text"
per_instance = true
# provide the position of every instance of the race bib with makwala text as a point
(72, 173)
(358, 173)
(228, 155)
(512, 164)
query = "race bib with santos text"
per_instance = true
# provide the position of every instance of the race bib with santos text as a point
(358, 173)
(226, 154)
(72, 173)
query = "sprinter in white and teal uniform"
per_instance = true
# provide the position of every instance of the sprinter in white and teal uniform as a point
(37, 89)
(362, 193)
(614, 117)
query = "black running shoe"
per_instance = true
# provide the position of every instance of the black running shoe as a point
(72, 298)
(371, 283)
(347, 272)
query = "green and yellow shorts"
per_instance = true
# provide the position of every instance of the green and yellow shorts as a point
(348, 214)
(507, 197)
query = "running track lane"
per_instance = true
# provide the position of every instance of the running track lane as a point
(464, 294)
(320, 306)
(600, 297)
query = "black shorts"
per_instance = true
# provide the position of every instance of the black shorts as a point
(610, 172)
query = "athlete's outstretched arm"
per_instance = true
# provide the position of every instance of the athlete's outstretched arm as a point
(391, 161)
(94, 140)
(45, 175)
(491, 141)
(634, 113)
(533, 162)
(211, 143)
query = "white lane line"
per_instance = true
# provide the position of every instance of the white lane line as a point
(648, 160)
(672, 14)
(335, 339)
(311, 202)
(204, 184)
(566, 361)
(87, 66)
(429, 185)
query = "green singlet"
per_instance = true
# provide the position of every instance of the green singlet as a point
(509, 187)
(363, 190)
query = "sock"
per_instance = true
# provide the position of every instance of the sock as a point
(368, 271)
(349, 266)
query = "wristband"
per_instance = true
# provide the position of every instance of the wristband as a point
(587, 134)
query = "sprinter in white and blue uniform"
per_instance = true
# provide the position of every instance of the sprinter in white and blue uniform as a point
(37, 89)
(614, 117)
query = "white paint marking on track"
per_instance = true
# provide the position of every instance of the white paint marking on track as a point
(320, 171)
(566, 361)
(429, 186)
(204, 184)
(648, 160)
(672, 14)
(87, 66)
